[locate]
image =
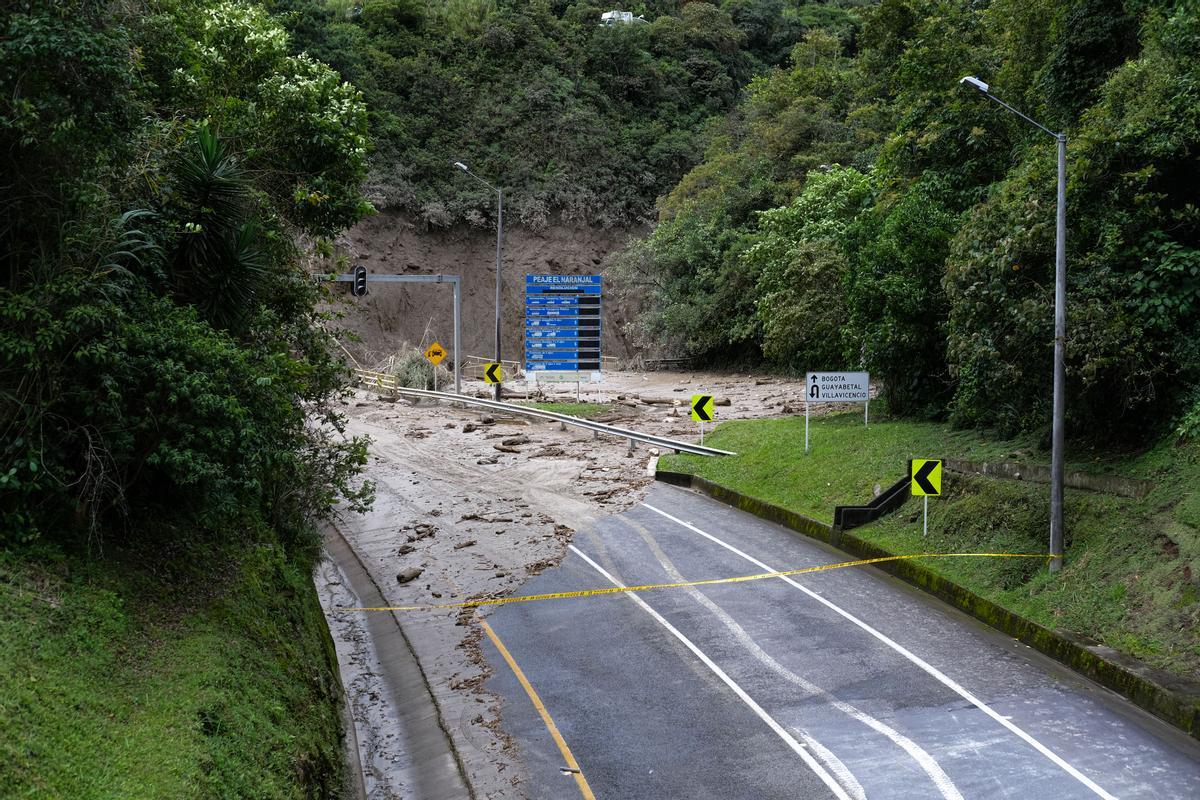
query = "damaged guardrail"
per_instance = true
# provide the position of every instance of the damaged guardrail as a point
(383, 382)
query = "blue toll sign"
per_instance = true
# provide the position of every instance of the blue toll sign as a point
(562, 323)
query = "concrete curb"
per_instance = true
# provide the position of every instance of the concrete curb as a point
(1170, 698)
(438, 770)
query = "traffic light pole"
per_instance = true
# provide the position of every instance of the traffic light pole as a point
(349, 277)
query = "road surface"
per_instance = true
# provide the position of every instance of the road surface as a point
(844, 683)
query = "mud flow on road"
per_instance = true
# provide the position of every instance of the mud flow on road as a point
(473, 504)
(839, 684)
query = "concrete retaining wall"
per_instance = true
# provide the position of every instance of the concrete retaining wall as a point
(1109, 484)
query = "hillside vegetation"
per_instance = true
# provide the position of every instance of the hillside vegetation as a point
(583, 123)
(861, 209)
(168, 437)
(162, 364)
(210, 675)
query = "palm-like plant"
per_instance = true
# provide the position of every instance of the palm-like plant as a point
(133, 248)
(218, 266)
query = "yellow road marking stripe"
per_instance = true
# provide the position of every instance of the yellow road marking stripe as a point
(499, 601)
(572, 764)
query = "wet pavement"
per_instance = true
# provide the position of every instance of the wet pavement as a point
(864, 687)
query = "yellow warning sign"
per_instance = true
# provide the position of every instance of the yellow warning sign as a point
(926, 477)
(435, 353)
(492, 373)
(702, 407)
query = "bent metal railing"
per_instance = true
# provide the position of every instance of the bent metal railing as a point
(382, 382)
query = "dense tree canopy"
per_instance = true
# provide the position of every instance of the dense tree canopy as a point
(860, 208)
(583, 122)
(162, 364)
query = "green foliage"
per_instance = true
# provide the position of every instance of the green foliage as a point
(897, 307)
(585, 409)
(412, 369)
(168, 363)
(203, 673)
(68, 106)
(463, 17)
(701, 293)
(216, 265)
(1188, 428)
(1132, 257)
(581, 122)
(802, 268)
(945, 284)
(1093, 38)
(309, 126)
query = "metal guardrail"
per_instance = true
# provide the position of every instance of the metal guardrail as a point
(382, 381)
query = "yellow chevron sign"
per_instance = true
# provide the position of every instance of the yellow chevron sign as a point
(926, 477)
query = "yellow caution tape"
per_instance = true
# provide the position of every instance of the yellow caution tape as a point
(499, 601)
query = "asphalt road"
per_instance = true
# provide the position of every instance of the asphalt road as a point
(843, 683)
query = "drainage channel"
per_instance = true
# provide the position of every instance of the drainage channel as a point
(432, 769)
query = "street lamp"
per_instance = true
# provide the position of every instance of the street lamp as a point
(499, 250)
(1060, 332)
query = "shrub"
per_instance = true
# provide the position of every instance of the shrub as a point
(168, 363)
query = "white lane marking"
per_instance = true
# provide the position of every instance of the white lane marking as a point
(839, 769)
(779, 730)
(927, 667)
(941, 780)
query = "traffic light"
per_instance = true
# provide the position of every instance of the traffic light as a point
(359, 286)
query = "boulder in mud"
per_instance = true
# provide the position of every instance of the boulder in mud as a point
(409, 574)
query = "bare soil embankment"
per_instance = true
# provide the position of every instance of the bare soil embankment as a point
(392, 314)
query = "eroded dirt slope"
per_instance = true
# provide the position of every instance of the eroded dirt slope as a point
(392, 314)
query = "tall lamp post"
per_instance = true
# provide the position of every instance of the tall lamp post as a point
(499, 250)
(1060, 331)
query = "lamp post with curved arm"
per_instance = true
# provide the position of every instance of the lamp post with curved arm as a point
(499, 250)
(1060, 330)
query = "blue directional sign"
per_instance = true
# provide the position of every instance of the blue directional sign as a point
(562, 323)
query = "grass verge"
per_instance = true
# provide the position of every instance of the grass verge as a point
(1132, 574)
(584, 410)
(119, 680)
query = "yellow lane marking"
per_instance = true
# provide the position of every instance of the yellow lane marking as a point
(499, 601)
(572, 764)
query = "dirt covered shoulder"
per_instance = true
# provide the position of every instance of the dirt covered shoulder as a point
(199, 676)
(472, 503)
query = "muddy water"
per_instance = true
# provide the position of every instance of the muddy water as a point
(372, 704)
